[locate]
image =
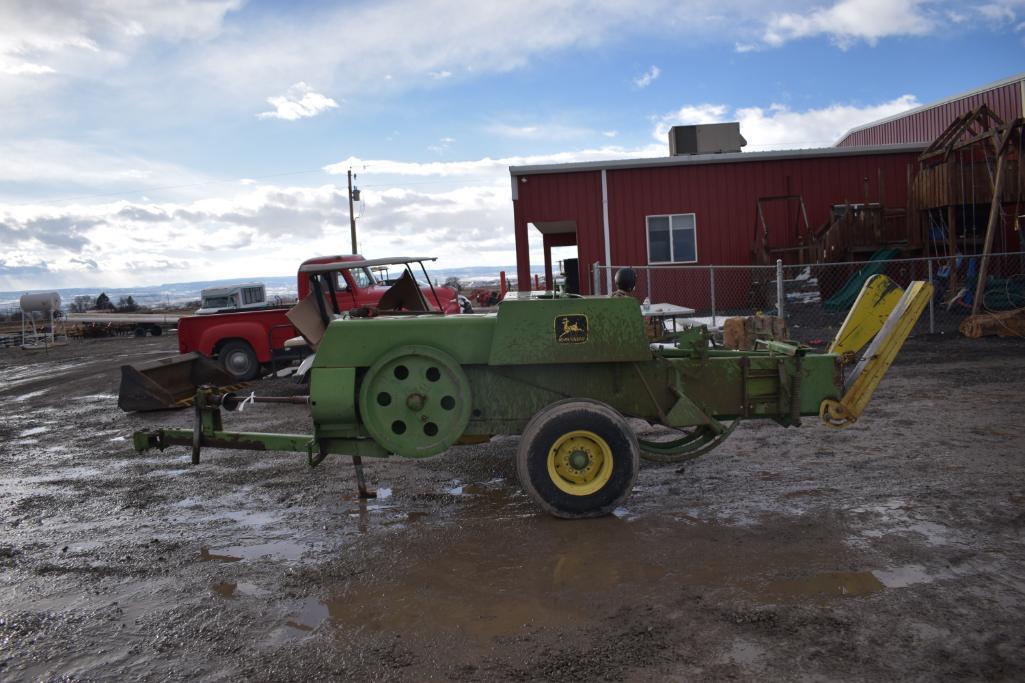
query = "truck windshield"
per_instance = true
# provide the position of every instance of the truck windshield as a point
(361, 276)
(217, 302)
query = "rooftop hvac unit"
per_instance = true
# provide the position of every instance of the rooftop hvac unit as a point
(708, 138)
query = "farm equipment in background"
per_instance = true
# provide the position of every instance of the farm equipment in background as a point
(564, 372)
(246, 343)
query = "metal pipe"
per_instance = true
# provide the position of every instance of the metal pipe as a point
(647, 272)
(780, 294)
(932, 315)
(605, 227)
(441, 306)
(711, 280)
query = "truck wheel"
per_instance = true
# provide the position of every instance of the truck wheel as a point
(239, 360)
(578, 459)
(140, 331)
(156, 330)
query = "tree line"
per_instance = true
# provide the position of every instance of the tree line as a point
(102, 302)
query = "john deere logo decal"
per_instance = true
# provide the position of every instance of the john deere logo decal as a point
(570, 329)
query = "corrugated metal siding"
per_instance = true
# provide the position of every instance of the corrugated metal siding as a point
(926, 125)
(723, 197)
(562, 197)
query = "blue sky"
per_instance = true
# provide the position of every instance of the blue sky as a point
(146, 142)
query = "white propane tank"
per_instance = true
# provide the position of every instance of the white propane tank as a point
(42, 301)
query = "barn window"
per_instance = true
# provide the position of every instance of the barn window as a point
(672, 239)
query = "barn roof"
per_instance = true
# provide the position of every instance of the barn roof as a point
(925, 107)
(726, 158)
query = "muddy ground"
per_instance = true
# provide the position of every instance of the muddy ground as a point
(892, 550)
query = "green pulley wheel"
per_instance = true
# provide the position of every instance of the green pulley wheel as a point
(415, 401)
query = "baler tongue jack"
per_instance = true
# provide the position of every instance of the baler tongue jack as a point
(878, 300)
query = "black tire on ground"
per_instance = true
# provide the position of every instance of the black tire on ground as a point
(156, 330)
(239, 360)
(140, 331)
(584, 429)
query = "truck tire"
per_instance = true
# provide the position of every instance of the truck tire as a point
(140, 331)
(578, 459)
(156, 330)
(239, 360)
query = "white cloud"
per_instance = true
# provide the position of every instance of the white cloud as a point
(487, 167)
(439, 38)
(300, 102)
(66, 32)
(24, 68)
(997, 11)
(32, 167)
(779, 127)
(441, 145)
(648, 77)
(849, 21)
(689, 115)
(610, 133)
(551, 130)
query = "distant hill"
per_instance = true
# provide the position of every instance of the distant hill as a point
(155, 296)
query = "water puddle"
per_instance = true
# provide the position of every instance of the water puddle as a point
(206, 556)
(284, 549)
(235, 589)
(902, 577)
(821, 587)
(897, 516)
(478, 582)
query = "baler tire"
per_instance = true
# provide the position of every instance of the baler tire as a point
(239, 350)
(608, 441)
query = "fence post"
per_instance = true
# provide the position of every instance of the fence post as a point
(780, 295)
(932, 316)
(647, 272)
(596, 278)
(711, 280)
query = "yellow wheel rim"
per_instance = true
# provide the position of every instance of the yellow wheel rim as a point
(580, 463)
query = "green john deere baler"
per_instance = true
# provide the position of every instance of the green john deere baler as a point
(565, 373)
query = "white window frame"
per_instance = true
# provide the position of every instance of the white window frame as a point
(647, 236)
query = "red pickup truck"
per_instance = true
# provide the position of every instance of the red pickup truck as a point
(247, 342)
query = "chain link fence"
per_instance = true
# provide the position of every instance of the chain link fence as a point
(815, 298)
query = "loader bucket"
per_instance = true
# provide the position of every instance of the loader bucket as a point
(168, 382)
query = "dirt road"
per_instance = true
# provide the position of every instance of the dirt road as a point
(894, 549)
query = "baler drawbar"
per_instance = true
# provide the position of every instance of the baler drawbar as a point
(568, 374)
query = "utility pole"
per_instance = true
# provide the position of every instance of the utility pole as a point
(352, 215)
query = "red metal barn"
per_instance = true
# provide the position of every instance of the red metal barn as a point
(623, 212)
(708, 203)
